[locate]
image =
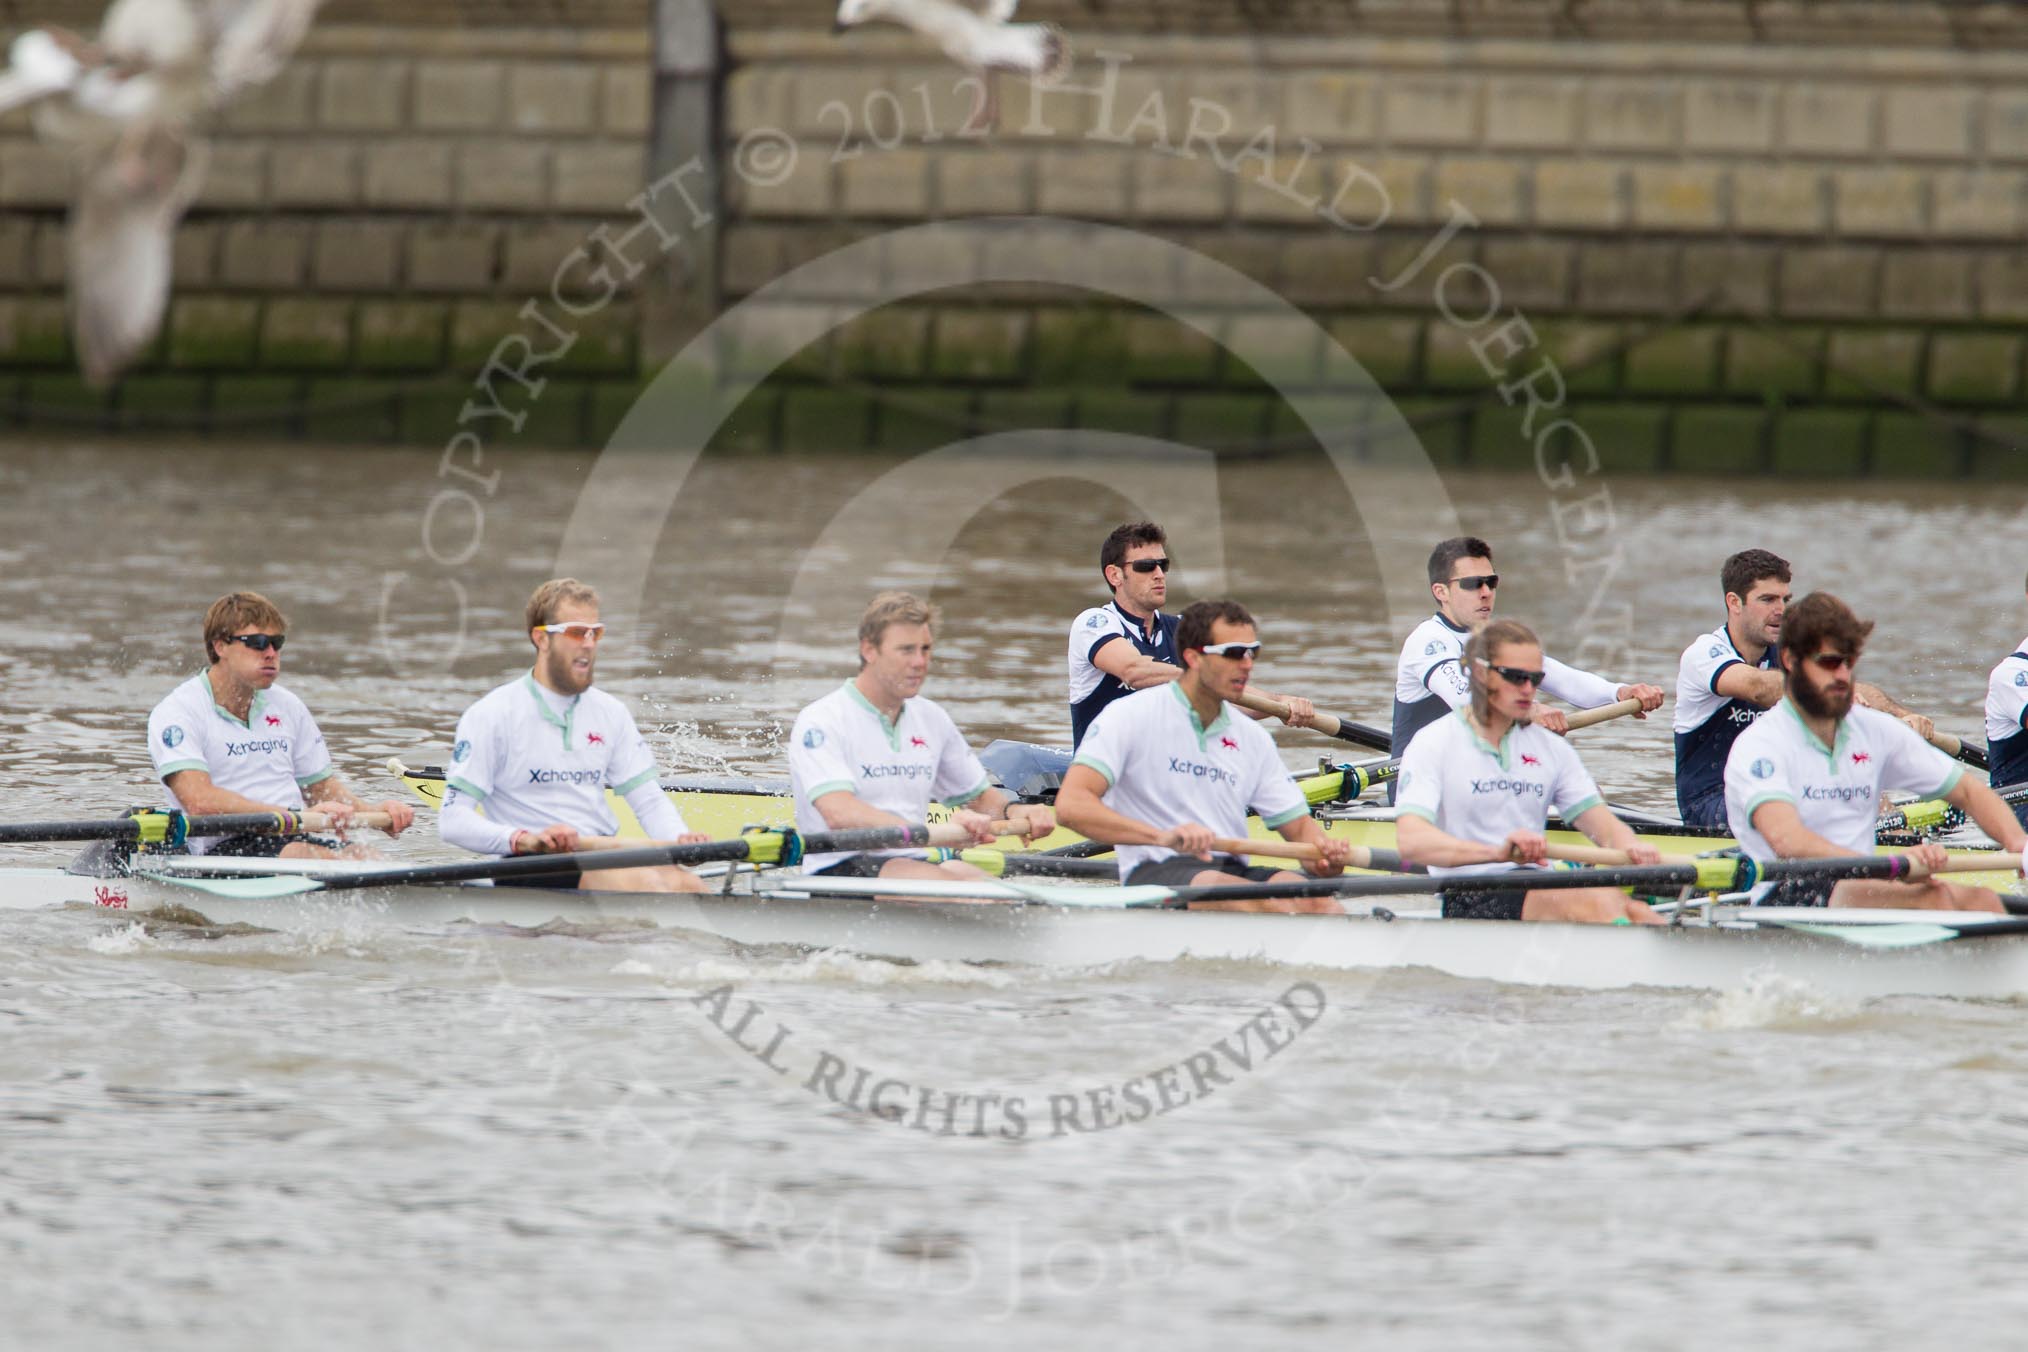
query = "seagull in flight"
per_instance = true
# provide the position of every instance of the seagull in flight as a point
(129, 102)
(978, 37)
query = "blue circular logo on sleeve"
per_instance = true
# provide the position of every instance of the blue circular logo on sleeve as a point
(1762, 768)
(462, 751)
(172, 736)
(2021, 678)
(813, 738)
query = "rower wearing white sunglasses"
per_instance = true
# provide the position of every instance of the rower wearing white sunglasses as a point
(232, 740)
(1164, 773)
(538, 754)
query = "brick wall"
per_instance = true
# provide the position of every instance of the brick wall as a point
(1781, 233)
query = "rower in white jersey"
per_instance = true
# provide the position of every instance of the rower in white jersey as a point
(875, 752)
(1730, 676)
(537, 755)
(2007, 722)
(1477, 787)
(1805, 781)
(1430, 680)
(1128, 644)
(1165, 771)
(230, 739)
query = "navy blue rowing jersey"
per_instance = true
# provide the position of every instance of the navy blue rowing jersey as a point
(1091, 690)
(1707, 724)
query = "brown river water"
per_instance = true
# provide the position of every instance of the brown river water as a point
(356, 1132)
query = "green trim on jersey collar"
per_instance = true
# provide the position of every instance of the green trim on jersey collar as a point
(1197, 724)
(1498, 753)
(260, 698)
(1832, 753)
(540, 695)
(892, 729)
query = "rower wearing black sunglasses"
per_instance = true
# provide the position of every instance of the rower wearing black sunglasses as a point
(1477, 787)
(1129, 644)
(231, 740)
(1430, 680)
(1804, 782)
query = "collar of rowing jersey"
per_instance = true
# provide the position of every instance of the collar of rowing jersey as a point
(1204, 734)
(545, 705)
(1447, 623)
(253, 710)
(1150, 628)
(1767, 654)
(1502, 753)
(1834, 753)
(891, 727)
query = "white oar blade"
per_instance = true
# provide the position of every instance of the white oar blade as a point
(1880, 936)
(252, 888)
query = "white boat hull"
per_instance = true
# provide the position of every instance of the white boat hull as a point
(1579, 956)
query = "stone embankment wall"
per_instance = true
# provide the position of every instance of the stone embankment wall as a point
(1747, 235)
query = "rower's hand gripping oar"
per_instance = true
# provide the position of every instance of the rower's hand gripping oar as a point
(1957, 748)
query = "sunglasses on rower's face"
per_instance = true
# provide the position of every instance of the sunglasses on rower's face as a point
(260, 643)
(1519, 675)
(1149, 565)
(1231, 649)
(1833, 661)
(580, 630)
(1476, 582)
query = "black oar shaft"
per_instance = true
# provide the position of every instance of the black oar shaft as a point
(148, 826)
(645, 856)
(1656, 876)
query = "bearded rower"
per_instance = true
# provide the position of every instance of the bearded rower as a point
(1165, 771)
(1129, 644)
(1805, 782)
(1431, 680)
(538, 754)
(874, 752)
(231, 739)
(1731, 676)
(1476, 789)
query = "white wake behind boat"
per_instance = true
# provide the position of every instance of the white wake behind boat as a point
(1853, 954)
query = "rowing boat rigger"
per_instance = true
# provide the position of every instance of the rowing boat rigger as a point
(1714, 945)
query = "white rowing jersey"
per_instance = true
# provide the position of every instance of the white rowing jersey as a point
(841, 742)
(1707, 723)
(2006, 715)
(271, 757)
(1834, 789)
(1165, 767)
(533, 757)
(1430, 680)
(1453, 779)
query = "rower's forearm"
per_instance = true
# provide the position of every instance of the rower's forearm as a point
(1873, 697)
(1093, 820)
(848, 812)
(1420, 842)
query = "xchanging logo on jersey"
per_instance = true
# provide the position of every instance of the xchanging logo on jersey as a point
(260, 747)
(565, 776)
(1503, 784)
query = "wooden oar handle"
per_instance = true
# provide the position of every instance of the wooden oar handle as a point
(1361, 856)
(950, 833)
(1274, 708)
(1584, 718)
(323, 821)
(1980, 862)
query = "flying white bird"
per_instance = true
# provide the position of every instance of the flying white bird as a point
(978, 37)
(129, 104)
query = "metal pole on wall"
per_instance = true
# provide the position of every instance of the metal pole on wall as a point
(689, 65)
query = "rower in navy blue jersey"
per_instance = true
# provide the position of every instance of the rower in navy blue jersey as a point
(2007, 722)
(1730, 676)
(1128, 644)
(1431, 680)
